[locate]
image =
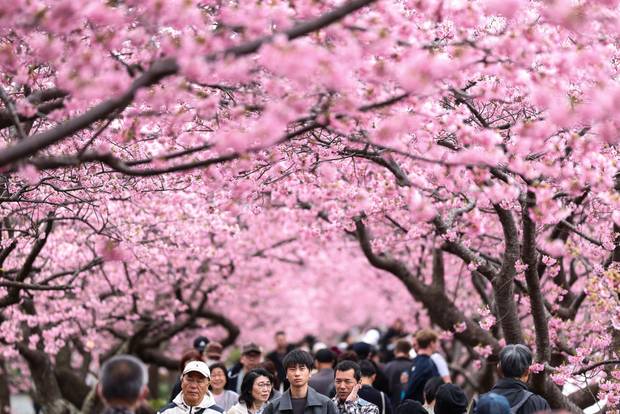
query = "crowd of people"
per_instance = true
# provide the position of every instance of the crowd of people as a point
(323, 380)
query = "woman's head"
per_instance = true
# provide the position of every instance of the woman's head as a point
(219, 377)
(257, 387)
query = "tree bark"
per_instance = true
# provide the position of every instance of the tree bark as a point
(5, 394)
(47, 390)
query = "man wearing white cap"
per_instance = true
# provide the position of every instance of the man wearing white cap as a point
(194, 397)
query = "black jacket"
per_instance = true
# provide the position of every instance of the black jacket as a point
(513, 390)
(373, 395)
(393, 370)
(315, 404)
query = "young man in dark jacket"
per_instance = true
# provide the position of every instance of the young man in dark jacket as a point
(514, 365)
(423, 368)
(300, 398)
(395, 368)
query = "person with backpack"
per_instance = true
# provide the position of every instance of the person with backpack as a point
(514, 367)
(423, 368)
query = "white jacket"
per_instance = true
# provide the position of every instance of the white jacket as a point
(178, 406)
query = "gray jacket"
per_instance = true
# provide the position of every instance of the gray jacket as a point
(315, 404)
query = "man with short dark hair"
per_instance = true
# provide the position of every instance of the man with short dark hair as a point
(371, 394)
(348, 383)
(250, 358)
(194, 397)
(123, 384)
(323, 380)
(395, 368)
(300, 398)
(423, 367)
(514, 367)
(277, 355)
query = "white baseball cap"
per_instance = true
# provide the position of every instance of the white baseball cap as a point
(197, 366)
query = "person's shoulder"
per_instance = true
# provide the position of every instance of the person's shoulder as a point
(167, 409)
(537, 402)
(231, 394)
(438, 357)
(318, 396)
(367, 406)
(216, 408)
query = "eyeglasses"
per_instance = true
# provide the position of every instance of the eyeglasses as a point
(264, 384)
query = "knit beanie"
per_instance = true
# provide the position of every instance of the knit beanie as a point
(410, 407)
(450, 399)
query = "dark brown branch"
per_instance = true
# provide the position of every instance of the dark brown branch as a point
(596, 365)
(122, 166)
(503, 286)
(464, 253)
(30, 286)
(300, 30)
(10, 107)
(441, 309)
(530, 258)
(438, 270)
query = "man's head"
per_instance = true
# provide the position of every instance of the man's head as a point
(298, 365)
(213, 351)
(347, 376)
(515, 361)
(426, 340)
(280, 339)
(251, 356)
(402, 349)
(123, 382)
(368, 370)
(325, 358)
(450, 399)
(398, 325)
(200, 343)
(195, 382)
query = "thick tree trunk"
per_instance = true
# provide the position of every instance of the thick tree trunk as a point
(154, 381)
(47, 390)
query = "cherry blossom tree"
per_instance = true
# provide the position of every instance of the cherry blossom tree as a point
(170, 166)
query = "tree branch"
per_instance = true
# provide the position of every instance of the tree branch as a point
(159, 70)
(503, 286)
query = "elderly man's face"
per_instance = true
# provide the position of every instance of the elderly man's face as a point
(194, 386)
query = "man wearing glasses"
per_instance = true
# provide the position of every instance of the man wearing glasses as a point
(348, 383)
(300, 398)
(194, 397)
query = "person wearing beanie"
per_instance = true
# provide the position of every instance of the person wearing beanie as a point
(492, 403)
(450, 399)
(410, 407)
